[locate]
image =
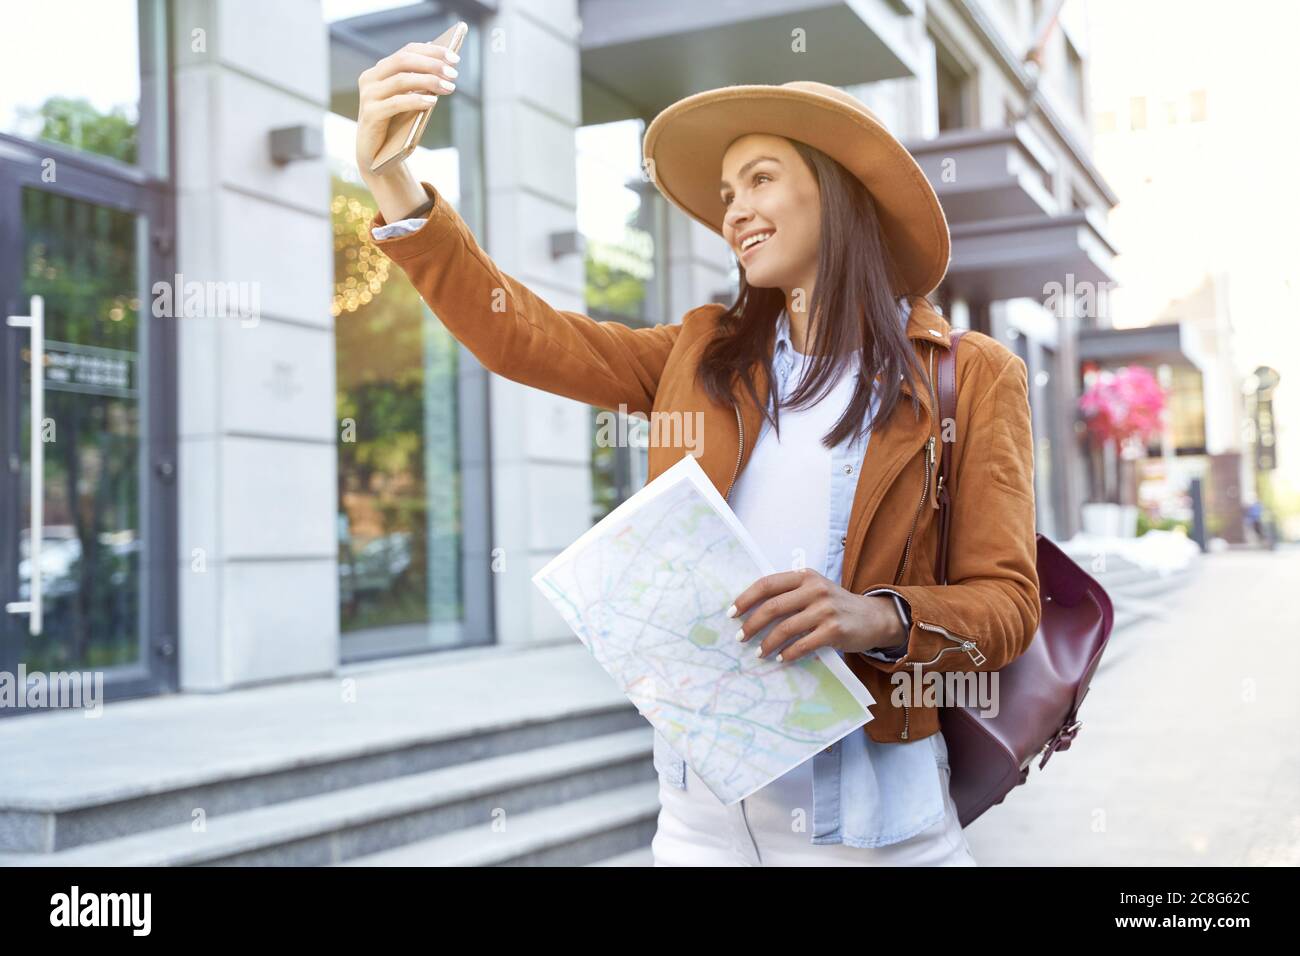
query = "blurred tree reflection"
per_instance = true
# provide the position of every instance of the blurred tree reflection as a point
(398, 461)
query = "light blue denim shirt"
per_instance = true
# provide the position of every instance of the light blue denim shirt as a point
(402, 227)
(865, 794)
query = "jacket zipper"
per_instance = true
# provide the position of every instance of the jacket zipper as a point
(907, 547)
(969, 646)
(935, 412)
(929, 469)
(740, 450)
(924, 491)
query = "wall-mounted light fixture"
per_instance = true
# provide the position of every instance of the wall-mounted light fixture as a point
(567, 243)
(292, 143)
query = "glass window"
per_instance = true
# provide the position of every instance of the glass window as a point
(84, 85)
(404, 580)
(89, 76)
(952, 90)
(84, 260)
(618, 216)
(1186, 400)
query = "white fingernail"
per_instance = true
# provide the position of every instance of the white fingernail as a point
(446, 85)
(731, 611)
(740, 634)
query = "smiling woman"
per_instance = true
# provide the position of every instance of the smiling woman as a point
(839, 240)
(792, 215)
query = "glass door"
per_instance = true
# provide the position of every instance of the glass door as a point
(87, 433)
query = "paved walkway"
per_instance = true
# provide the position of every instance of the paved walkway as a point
(1190, 748)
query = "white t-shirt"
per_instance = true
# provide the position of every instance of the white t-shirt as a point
(783, 495)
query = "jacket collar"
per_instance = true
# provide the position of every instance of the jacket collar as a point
(926, 324)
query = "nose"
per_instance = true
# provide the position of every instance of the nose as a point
(735, 220)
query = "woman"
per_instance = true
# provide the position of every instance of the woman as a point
(839, 239)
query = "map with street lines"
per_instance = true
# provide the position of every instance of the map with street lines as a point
(646, 590)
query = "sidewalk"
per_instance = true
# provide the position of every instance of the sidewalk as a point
(1189, 753)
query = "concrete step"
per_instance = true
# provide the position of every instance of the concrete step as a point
(1121, 573)
(1124, 638)
(1119, 577)
(69, 780)
(1153, 585)
(369, 818)
(1150, 599)
(1142, 608)
(1137, 607)
(610, 823)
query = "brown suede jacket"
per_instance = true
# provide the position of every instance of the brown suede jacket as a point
(980, 621)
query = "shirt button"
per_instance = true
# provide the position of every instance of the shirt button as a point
(848, 469)
(844, 539)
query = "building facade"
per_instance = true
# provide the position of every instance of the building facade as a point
(273, 463)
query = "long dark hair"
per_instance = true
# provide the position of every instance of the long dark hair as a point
(854, 308)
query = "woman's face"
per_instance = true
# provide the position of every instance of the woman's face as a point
(767, 188)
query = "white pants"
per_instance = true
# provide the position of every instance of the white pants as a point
(696, 829)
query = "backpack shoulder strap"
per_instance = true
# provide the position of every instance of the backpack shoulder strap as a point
(947, 389)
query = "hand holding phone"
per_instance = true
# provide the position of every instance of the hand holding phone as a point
(397, 97)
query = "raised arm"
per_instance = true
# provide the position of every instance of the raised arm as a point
(507, 327)
(516, 333)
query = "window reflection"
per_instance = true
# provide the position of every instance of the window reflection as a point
(83, 259)
(618, 216)
(76, 74)
(399, 467)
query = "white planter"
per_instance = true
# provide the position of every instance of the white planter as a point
(1101, 518)
(1127, 521)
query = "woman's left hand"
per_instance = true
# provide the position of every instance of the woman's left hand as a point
(813, 603)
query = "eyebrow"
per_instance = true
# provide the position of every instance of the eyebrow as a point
(744, 169)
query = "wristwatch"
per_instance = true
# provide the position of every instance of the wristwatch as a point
(421, 211)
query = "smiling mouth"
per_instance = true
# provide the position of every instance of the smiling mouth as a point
(761, 242)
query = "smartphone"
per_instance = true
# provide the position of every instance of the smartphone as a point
(405, 129)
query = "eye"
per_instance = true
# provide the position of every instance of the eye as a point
(726, 200)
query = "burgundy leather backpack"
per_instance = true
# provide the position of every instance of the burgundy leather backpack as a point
(1039, 693)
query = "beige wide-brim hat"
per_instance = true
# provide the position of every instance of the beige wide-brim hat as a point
(685, 143)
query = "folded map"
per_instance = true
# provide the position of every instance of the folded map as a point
(647, 591)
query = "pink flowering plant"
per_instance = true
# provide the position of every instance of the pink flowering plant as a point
(1124, 405)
